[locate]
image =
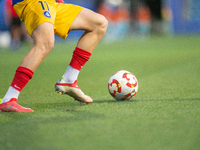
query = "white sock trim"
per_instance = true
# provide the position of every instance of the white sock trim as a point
(11, 93)
(71, 75)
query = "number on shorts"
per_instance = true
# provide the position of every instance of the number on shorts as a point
(42, 5)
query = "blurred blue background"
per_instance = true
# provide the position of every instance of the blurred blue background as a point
(165, 17)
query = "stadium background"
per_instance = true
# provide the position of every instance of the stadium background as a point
(167, 16)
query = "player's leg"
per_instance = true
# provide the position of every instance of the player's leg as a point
(43, 37)
(39, 24)
(95, 26)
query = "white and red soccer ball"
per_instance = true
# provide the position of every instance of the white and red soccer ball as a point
(122, 85)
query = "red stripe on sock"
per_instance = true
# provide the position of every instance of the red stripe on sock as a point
(21, 78)
(79, 58)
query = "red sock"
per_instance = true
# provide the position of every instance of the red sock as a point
(79, 58)
(21, 78)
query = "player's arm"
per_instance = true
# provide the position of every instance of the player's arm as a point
(60, 1)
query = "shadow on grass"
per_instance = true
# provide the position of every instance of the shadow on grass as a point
(115, 101)
(146, 100)
(75, 106)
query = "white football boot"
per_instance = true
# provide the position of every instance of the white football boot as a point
(72, 90)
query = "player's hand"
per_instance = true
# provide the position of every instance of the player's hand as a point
(60, 1)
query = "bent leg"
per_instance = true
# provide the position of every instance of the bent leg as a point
(43, 37)
(93, 24)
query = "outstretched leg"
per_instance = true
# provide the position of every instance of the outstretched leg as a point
(43, 37)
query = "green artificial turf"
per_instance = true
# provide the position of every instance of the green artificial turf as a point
(164, 114)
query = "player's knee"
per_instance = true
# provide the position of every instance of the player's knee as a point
(46, 46)
(50, 44)
(102, 25)
(105, 24)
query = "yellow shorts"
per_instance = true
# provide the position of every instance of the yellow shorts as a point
(35, 12)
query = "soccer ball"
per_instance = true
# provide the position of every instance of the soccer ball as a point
(122, 85)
